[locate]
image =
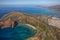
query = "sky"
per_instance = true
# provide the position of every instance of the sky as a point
(30, 2)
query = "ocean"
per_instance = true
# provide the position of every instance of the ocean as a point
(28, 10)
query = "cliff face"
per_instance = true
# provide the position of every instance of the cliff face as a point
(44, 31)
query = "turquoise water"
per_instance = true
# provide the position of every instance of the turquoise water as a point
(20, 32)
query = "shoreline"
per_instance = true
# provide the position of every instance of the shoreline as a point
(30, 26)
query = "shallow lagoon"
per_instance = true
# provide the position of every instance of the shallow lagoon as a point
(20, 32)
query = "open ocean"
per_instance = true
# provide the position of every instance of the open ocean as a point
(28, 10)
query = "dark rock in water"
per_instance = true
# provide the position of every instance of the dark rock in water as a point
(15, 23)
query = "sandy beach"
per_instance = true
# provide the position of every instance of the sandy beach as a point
(30, 26)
